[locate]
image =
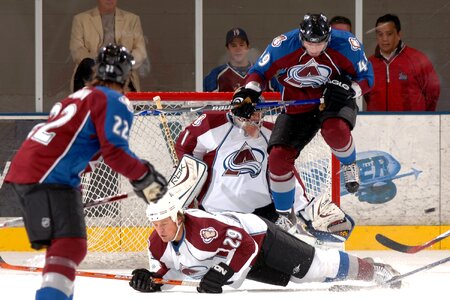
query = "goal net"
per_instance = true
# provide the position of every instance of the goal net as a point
(118, 232)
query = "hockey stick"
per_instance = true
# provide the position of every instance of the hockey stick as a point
(167, 133)
(387, 283)
(12, 223)
(2, 177)
(106, 200)
(261, 105)
(19, 221)
(5, 265)
(391, 244)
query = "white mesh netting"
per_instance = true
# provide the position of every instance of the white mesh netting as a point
(118, 232)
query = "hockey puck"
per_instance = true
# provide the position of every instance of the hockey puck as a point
(430, 210)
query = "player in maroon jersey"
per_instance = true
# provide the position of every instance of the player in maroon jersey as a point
(45, 172)
(226, 248)
(311, 62)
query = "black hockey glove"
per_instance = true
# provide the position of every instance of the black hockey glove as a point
(152, 187)
(142, 281)
(215, 278)
(339, 89)
(243, 102)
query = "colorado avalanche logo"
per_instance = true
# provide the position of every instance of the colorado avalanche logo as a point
(354, 44)
(195, 272)
(310, 74)
(276, 42)
(208, 234)
(244, 161)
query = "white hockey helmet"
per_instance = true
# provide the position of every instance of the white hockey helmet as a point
(167, 206)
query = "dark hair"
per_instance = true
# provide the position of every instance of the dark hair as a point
(84, 73)
(390, 18)
(340, 20)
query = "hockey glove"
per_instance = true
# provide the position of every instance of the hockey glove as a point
(142, 281)
(152, 187)
(339, 89)
(215, 278)
(243, 102)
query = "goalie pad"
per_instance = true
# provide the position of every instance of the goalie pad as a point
(326, 221)
(187, 179)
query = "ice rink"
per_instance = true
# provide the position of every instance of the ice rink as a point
(429, 283)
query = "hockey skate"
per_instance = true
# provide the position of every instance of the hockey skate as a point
(285, 223)
(385, 272)
(351, 177)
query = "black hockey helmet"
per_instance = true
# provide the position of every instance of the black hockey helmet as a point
(315, 28)
(114, 63)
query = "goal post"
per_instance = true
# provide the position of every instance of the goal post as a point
(118, 232)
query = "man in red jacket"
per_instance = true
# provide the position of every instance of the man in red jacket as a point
(405, 79)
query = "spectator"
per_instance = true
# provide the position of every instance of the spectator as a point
(100, 26)
(341, 23)
(230, 76)
(344, 23)
(405, 79)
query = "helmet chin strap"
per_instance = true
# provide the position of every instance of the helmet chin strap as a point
(178, 231)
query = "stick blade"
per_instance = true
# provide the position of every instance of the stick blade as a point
(391, 244)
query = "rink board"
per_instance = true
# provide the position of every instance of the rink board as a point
(404, 163)
(362, 238)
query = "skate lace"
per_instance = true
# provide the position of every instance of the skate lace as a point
(284, 223)
(350, 173)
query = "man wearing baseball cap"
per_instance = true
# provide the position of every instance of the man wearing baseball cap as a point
(230, 76)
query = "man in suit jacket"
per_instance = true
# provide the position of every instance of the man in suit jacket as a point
(105, 24)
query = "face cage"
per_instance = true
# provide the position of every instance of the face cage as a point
(245, 124)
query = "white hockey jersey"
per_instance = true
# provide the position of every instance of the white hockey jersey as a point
(237, 165)
(208, 239)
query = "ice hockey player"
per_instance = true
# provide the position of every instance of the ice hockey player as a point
(235, 151)
(310, 62)
(45, 172)
(226, 248)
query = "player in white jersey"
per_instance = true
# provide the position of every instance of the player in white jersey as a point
(226, 248)
(235, 150)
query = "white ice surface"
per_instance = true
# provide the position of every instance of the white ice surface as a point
(431, 283)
